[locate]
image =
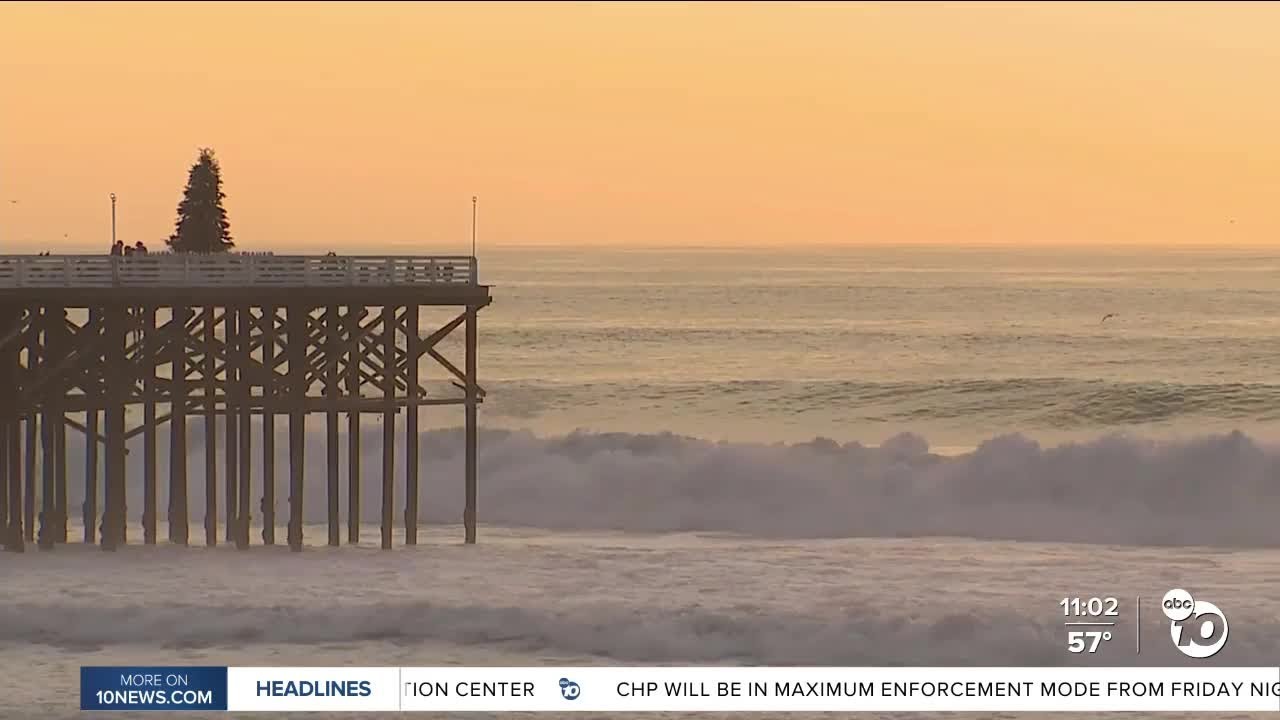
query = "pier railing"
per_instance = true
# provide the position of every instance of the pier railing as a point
(164, 270)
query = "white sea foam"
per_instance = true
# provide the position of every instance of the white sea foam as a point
(621, 634)
(630, 599)
(1208, 490)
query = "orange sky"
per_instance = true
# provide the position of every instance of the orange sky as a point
(346, 124)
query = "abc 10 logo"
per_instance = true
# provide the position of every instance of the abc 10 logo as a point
(1198, 627)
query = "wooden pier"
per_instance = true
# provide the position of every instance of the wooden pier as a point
(222, 335)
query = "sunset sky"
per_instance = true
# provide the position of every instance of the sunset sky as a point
(359, 125)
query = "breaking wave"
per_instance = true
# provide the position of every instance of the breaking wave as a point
(1212, 490)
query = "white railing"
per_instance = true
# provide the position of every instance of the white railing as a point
(181, 270)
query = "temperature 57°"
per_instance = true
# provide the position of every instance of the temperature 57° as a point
(1086, 640)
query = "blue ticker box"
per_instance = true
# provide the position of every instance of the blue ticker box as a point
(153, 688)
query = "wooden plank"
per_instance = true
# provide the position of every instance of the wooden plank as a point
(141, 429)
(442, 295)
(435, 337)
(160, 270)
(447, 365)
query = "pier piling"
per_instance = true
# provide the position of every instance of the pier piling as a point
(244, 390)
(270, 397)
(48, 510)
(412, 342)
(57, 328)
(354, 316)
(230, 422)
(210, 430)
(332, 343)
(14, 449)
(295, 349)
(89, 352)
(32, 427)
(118, 378)
(469, 514)
(388, 422)
(11, 484)
(179, 346)
(148, 336)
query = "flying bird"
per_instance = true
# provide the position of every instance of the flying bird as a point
(1108, 316)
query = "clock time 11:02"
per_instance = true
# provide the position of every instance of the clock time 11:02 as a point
(1090, 607)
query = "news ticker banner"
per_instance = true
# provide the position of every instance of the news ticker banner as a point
(680, 689)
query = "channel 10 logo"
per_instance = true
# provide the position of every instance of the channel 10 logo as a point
(1198, 627)
(569, 690)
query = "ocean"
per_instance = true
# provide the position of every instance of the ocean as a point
(872, 456)
(956, 345)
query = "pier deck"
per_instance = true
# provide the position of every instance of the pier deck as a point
(227, 336)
